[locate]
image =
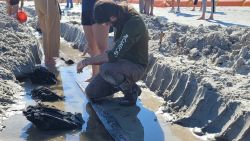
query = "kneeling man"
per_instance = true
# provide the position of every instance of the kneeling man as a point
(123, 65)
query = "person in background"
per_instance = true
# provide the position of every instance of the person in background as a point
(173, 9)
(152, 7)
(96, 34)
(13, 6)
(69, 2)
(124, 64)
(149, 7)
(142, 6)
(204, 8)
(195, 4)
(49, 22)
(78, 2)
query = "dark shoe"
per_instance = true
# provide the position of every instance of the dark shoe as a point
(131, 96)
(137, 89)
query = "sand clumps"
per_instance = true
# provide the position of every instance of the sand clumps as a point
(203, 74)
(19, 52)
(19, 48)
(224, 47)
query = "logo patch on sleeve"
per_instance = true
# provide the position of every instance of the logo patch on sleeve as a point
(121, 45)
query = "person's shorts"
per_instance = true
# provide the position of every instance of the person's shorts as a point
(87, 18)
(14, 2)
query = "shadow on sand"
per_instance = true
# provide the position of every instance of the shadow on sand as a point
(226, 23)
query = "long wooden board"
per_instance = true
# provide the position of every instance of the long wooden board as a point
(109, 122)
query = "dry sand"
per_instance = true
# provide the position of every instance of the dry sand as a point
(202, 72)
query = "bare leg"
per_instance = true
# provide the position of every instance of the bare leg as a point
(141, 6)
(178, 6)
(204, 5)
(92, 48)
(147, 5)
(101, 36)
(193, 8)
(152, 7)
(212, 10)
(211, 17)
(172, 9)
(202, 17)
(195, 4)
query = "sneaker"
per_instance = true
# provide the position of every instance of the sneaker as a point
(130, 98)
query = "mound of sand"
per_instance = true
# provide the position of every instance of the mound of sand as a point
(19, 52)
(19, 48)
(203, 74)
(73, 33)
(225, 47)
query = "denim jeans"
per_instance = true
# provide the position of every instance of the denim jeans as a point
(112, 76)
(69, 2)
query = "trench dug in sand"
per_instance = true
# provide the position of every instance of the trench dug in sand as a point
(202, 73)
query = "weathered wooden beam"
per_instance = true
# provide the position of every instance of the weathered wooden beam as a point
(109, 122)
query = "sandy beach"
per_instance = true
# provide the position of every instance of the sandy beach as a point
(201, 69)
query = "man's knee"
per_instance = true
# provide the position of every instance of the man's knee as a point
(105, 68)
(110, 74)
(106, 72)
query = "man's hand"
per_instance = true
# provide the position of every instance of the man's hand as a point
(96, 60)
(81, 65)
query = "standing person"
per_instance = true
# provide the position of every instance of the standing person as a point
(152, 7)
(12, 7)
(204, 8)
(96, 34)
(195, 4)
(49, 22)
(149, 7)
(78, 2)
(69, 2)
(142, 6)
(173, 9)
(124, 64)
